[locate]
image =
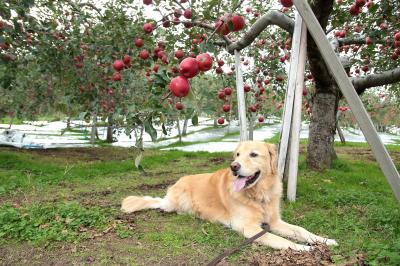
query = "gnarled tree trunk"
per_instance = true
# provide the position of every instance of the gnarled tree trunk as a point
(185, 125)
(320, 152)
(322, 131)
(110, 129)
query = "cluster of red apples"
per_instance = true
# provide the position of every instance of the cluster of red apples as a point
(188, 68)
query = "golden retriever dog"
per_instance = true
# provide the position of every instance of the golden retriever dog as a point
(242, 197)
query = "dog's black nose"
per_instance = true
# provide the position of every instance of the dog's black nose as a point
(235, 166)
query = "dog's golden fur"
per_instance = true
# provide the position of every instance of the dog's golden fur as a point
(214, 197)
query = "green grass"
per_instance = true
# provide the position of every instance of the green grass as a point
(7, 121)
(52, 200)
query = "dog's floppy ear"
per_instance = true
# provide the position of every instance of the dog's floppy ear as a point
(272, 152)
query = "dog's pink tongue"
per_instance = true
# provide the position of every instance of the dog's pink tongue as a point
(239, 184)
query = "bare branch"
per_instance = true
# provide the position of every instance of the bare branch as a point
(179, 4)
(374, 80)
(210, 27)
(271, 18)
(237, 6)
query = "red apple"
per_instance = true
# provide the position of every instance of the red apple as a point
(383, 26)
(365, 68)
(279, 78)
(228, 91)
(187, 13)
(253, 108)
(177, 12)
(247, 88)
(118, 65)
(360, 3)
(144, 54)
(204, 61)
(368, 40)
(156, 67)
(138, 42)
(189, 67)
(397, 36)
(179, 86)
(221, 27)
(178, 106)
(261, 119)
(219, 70)
(221, 120)
(116, 76)
(221, 95)
(238, 22)
(179, 54)
(147, 2)
(165, 22)
(287, 3)
(188, 24)
(226, 108)
(355, 10)
(127, 59)
(220, 62)
(147, 27)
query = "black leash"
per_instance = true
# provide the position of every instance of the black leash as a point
(229, 252)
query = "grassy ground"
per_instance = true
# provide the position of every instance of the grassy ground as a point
(61, 206)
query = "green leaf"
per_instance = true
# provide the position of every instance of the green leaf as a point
(164, 129)
(208, 47)
(148, 128)
(195, 120)
(207, 12)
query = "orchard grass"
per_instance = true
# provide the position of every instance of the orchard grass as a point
(62, 206)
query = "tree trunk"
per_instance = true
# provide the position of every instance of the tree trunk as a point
(185, 125)
(93, 132)
(215, 122)
(340, 133)
(68, 123)
(322, 131)
(11, 121)
(179, 130)
(251, 127)
(339, 130)
(320, 152)
(110, 129)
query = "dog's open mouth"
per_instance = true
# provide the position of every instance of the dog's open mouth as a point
(245, 181)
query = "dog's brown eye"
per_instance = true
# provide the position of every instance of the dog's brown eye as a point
(253, 154)
(237, 154)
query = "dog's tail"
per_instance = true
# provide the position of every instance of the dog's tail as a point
(134, 203)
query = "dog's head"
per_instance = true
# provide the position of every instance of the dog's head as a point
(253, 161)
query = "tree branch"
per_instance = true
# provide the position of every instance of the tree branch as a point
(374, 80)
(210, 27)
(358, 41)
(271, 18)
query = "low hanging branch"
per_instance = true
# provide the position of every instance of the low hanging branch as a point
(271, 18)
(374, 80)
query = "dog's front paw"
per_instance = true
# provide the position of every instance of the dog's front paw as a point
(331, 242)
(302, 247)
